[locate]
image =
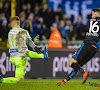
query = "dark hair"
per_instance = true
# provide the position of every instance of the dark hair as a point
(59, 6)
(68, 19)
(15, 18)
(96, 10)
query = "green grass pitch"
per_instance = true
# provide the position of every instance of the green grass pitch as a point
(51, 84)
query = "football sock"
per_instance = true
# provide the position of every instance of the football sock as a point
(71, 75)
(10, 80)
(77, 67)
(35, 55)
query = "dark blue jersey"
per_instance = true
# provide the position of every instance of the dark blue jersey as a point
(93, 32)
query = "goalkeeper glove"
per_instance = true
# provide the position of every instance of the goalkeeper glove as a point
(38, 49)
(36, 38)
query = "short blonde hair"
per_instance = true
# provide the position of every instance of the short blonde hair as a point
(15, 18)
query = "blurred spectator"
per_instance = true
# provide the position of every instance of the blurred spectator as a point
(36, 11)
(55, 40)
(3, 26)
(22, 16)
(28, 9)
(59, 12)
(40, 19)
(62, 29)
(64, 16)
(44, 12)
(57, 19)
(43, 27)
(79, 29)
(27, 25)
(63, 32)
(23, 8)
(31, 18)
(47, 15)
(1, 6)
(69, 29)
(7, 10)
(50, 17)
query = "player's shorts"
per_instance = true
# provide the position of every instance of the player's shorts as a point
(84, 53)
(20, 63)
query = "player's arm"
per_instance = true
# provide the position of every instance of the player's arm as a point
(98, 43)
(31, 44)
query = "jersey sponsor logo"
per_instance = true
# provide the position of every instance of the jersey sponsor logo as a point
(92, 34)
(14, 50)
(13, 32)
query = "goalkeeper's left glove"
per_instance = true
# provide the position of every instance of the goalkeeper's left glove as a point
(36, 39)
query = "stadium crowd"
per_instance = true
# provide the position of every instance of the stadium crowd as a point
(38, 20)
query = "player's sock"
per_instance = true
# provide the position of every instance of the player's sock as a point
(10, 80)
(71, 75)
(77, 67)
(35, 55)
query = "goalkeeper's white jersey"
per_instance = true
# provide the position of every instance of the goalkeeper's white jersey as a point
(17, 42)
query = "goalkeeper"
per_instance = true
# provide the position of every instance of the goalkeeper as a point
(19, 39)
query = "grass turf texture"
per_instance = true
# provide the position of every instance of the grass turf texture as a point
(51, 84)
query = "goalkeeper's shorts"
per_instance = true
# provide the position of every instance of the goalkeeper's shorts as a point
(20, 63)
(84, 53)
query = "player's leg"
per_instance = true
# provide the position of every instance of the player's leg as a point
(16, 79)
(8, 80)
(91, 52)
(78, 57)
(73, 63)
(20, 73)
(85, 55)
(20, 63)
(20, 68)
(80, 54)
(70, 76)
(36, 55)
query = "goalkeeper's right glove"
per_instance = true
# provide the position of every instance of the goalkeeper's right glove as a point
(38, 49)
